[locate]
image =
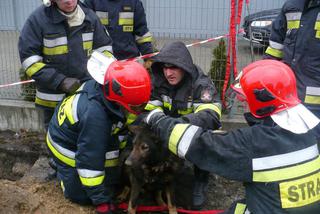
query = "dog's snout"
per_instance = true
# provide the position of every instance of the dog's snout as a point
(128, 162)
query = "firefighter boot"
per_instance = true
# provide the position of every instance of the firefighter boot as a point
(199, 194)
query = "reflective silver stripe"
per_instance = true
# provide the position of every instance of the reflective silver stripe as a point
(50, 43)
(156, 103)
(313, 90)
(148, 34)
(166, 99)
(155, 111)
(60, 149)
(51, 97)
(293, 16)
(102, 14)
(247, 211)
(86, 173)
(112, 155)
(186, 139)
(318, 17)
(285, 159)
(75, 107)
(275, 45)
(126, 15)
(105, 48)
(30, 61)
(87, 37)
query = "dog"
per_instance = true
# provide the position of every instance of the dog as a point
(150, 166)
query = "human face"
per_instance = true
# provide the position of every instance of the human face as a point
(67, 6)
(173, 75)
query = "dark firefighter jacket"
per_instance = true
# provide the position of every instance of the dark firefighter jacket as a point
(295, 38)
(126, 23)
(280, 169)
(194, 98)
(50, 50)
(80, 136)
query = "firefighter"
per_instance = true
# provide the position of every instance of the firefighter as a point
(295, 39)
(81, 133)
(54, 46)
(276, 158)
(126, 22)
(182, 90)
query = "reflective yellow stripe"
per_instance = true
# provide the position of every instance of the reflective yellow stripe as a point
(145, 39)
(57, 154)
(35, 68)
(62, 186)
(293, 24)
(150, 107)
(287, 173)
(104, 21)
(240, 208)
(92, 181)
(107, 54)
(167, 105)
(122, 144)
(184, 112)
(318, 34)
(317, 25)
(208, 106)
(56, 50)
(111, 163)
(274, 52)
(131, 118)
(47, 103)
(125, 21)
(175, 136)
(309, 99)
(87, 45)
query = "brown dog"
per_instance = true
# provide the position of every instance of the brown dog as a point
(151, 166)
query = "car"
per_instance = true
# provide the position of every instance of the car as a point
(257, 26)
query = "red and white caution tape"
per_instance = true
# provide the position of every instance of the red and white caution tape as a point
(135, 58)
(16, 83)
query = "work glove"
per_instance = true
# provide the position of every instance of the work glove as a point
(153, 117)
(104, 209)
(69, 85)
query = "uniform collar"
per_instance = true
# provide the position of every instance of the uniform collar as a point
(297, 119)
(57, 17)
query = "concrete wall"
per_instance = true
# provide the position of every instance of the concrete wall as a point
(16, 115)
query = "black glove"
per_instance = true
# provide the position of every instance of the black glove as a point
(69, 85)
(153, 117)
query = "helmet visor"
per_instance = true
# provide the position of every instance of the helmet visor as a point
(236, 86)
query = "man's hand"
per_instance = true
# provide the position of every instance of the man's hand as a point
(153, 117)
(69, 85)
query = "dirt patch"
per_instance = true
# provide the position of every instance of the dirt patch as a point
(25, 185)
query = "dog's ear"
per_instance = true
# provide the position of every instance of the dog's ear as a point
(135, 129)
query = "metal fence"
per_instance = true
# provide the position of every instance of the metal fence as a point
(168, 20)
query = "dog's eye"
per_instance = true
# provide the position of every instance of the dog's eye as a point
(144, 146)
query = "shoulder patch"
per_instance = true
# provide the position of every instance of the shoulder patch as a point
(206, 95)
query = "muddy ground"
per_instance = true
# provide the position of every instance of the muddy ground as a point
(26, 185)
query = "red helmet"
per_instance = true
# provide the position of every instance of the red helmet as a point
(269, 87)
(127, 83)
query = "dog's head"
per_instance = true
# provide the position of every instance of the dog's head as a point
(147, 147)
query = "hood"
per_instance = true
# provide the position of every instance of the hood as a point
(263, 15)
(175, 53)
